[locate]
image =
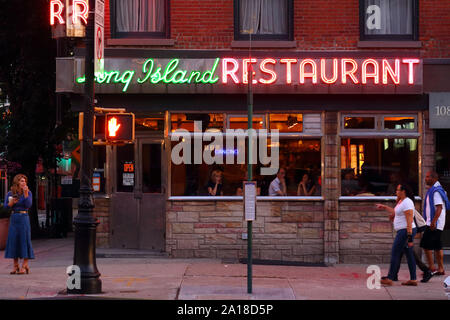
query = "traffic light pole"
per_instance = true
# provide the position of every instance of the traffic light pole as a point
(85, 223)
(250, 169)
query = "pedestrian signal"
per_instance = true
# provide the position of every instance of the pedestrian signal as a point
(119, 127)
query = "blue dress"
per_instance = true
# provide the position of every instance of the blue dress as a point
(18, 244)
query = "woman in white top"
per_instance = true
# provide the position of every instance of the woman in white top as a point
(403, 219)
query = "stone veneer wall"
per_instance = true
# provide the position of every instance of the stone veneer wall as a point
(283, 230)
(102, 213)
(366, 234)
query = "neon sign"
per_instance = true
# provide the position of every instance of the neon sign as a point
(350, 71)
(78, 10)
(287, 72)
(151, 73)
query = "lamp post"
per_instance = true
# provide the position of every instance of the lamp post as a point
(85, 223)
(249, 164)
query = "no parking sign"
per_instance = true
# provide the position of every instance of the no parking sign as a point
(99, 58)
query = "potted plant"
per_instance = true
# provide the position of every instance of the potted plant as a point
(4, 225)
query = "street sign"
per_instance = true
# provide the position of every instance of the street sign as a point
(249, 200)
(439, 110)
(99, 38)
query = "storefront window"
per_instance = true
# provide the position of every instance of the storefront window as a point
(400, 123)
(359, 122)
(286, 122)
(212, 122)
(154, 123)
(300, 157)
(374, 167)
(241, 122)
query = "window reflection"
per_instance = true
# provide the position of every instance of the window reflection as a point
(359, 122)
(376, 166)
(287, 122)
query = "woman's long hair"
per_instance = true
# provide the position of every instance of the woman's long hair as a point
(15, 188)
(408, 191)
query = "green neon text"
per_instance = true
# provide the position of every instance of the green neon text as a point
(171, 74)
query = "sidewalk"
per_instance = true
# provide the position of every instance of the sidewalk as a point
(150, 276)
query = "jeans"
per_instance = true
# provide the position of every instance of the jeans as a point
(400, 247)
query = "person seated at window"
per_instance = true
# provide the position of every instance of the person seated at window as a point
(365, 189)
(215, 183)
(278, 185)
(305, 187)
(349, 184)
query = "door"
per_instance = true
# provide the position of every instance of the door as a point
(138, 199)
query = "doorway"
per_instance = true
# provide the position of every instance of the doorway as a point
(443, 169)
(138, 201)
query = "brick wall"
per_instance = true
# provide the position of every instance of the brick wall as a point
(291, 231)
(318, 25)
(331, 188)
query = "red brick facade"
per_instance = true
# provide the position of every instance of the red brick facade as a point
(331, 230)
(318, 25)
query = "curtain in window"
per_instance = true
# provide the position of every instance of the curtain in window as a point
(263, 16)
(140, 15)
(395, 16)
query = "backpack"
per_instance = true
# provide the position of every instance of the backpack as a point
(420, 222)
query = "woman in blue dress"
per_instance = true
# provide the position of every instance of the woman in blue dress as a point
(18, 245)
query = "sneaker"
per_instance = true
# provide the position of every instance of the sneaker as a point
(427, 276)
(410, 283)
(386, 282)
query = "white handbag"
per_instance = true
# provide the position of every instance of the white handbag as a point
(419, 221)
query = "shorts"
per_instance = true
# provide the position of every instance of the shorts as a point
(431, 239)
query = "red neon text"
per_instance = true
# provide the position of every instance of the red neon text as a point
(320, 71)
(56, 13)
(80, 11)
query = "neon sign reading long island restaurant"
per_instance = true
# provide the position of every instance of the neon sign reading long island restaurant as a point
(306, 72)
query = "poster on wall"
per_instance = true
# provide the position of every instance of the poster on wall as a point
(128, 179)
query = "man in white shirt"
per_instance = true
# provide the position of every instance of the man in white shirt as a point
(278, 185)
(434, 212)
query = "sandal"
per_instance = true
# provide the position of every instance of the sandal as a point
(16, 270)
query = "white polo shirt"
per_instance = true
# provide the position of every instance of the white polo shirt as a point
(275, 186)
(437, 200)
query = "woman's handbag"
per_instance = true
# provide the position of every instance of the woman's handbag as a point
(419, 221)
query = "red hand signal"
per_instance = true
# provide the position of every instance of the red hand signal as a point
(113, 127)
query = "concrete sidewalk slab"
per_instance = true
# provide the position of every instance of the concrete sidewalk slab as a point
(163, 278)
(215, 288)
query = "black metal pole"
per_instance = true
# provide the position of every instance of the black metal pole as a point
(85, 223)
(250, 167)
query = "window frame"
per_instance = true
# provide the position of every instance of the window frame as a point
(379, 133)
(386, 37)
(266, 37)
(265, 114)
(139, 35)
